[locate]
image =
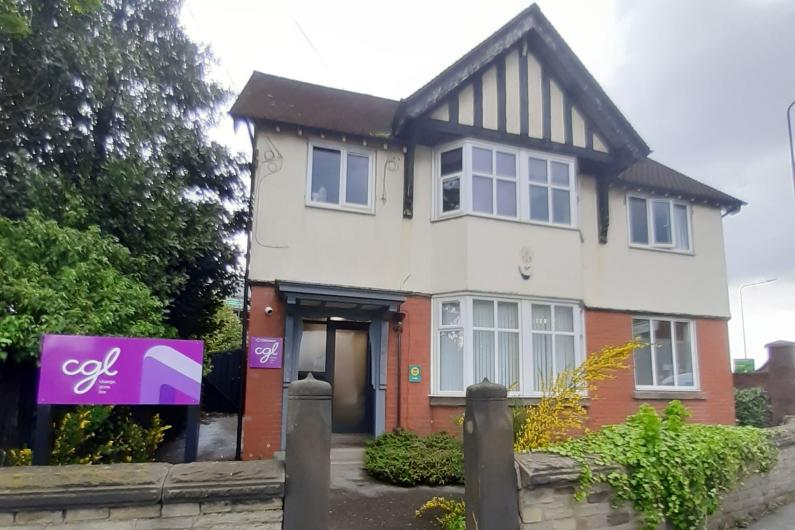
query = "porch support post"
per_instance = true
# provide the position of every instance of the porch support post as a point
(378, 334)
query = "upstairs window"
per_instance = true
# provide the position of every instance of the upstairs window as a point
(659, 223)
(340, 177)
(499, 181)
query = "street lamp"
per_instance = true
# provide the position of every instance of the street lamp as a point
(791, 146)
(742, 312)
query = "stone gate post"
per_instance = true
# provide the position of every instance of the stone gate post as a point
(307, 457)
(489, 473)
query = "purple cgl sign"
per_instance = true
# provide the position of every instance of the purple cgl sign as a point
(265, 352)
(82, 370)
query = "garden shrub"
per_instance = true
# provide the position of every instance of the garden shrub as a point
(406, 459)
(752, 407)
(560, 412)
(453, 515)
(104, 435)
(671, 470)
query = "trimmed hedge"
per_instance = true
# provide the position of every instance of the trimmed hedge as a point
(406, 459)
(752, 407)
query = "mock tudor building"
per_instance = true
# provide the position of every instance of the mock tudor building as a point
(501, 222)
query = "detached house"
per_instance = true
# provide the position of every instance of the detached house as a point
(503, 221)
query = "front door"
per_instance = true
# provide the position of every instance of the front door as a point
(338, 352)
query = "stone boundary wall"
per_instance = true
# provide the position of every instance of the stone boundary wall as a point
(218, 495)
(547, 484)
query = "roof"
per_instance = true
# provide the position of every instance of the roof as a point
(654, 176)
(566, 65)
(279, 99)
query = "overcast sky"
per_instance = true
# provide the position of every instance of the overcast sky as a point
(706, 83)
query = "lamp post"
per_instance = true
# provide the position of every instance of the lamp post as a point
(791, 146)
(742, 311)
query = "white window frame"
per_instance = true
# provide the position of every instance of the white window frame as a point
(693, 352)
(344, 150)
(522, 183)
(652, 245)
(466, 299)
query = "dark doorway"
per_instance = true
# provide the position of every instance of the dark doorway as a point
(338, 351)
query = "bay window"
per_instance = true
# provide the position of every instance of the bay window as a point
(668, 359)
(340, 177)
(659, 223)
(519, 343)
(479, 178)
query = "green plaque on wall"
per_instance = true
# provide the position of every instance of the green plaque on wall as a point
(415, 373)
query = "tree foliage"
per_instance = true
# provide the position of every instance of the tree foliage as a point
(227, 332)
(64, 280)
(103, 119)
(752, 407)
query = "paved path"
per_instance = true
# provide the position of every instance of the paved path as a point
(781, 519)
(357, 501)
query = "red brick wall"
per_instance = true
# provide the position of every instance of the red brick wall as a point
(614, 399)
(263, 403)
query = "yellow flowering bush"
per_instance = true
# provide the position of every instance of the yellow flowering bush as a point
(560, 412)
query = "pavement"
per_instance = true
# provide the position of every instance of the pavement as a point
(217, 440)
(359, 502)
(781, 519)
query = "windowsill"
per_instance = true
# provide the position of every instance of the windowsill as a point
(669, 394)
(448, 216)
(665, 250)
(337, 208)
(460, 401)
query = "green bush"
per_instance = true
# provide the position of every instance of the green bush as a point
(104, 435)
(672, 470)
(406, 459)
(752, 407)
(453, 512)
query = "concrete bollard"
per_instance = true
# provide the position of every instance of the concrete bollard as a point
(307, 456)
(489, 473)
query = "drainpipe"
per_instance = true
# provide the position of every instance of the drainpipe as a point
(252, 131)
(398, 327)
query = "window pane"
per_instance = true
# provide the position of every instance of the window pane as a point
(564, 353)
(506, 165)
(638, 222)
(451, 314)
(539, 205)
(508, 315)
(684, 355)
(326, 175)
(312, 351)
(643, 370)
(483, 355)
(537, 170)
(508, 360)
(452, 161)
(542, 361)
(451, 194)
(559, 173)
(358, 175)
(506, 198)
(483, 313)
(561, 206)
(661, 212)
(451, 360)
(564, 318)
(482, 194)
(681, 228)
(663, 352)
(542, 317)
(481, 160)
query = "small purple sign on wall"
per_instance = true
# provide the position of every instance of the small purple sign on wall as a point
(84, 370)
(265, 352)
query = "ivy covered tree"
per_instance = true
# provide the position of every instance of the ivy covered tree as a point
(64, 280)
(104, 112)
